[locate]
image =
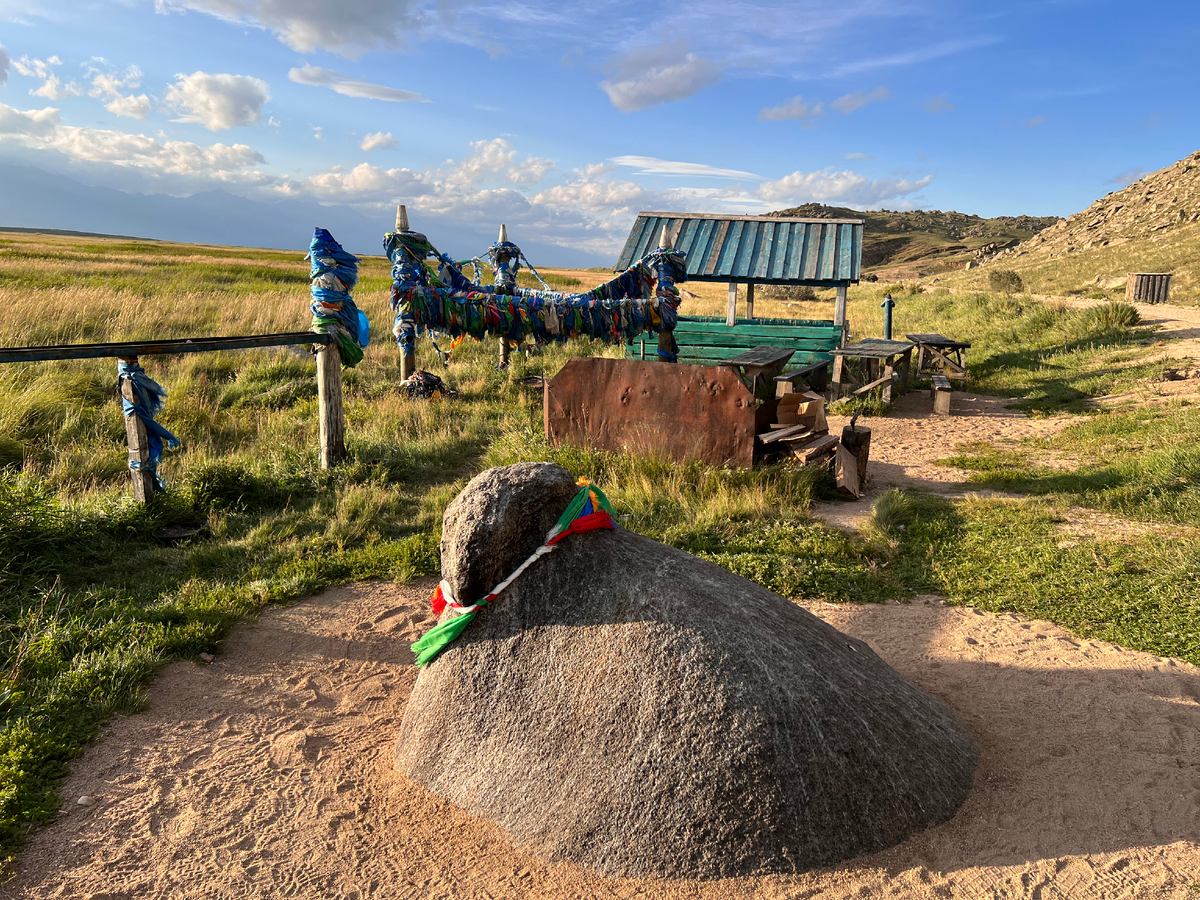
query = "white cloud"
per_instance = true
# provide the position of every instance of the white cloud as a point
(845, 186)
(868, 62)
(42, 129)
(940, 103)
(349, 28)
(32, 123)
(3, 66)
(378, 140)
(42, 69)
(109, 86)
(1034, 122)
(795, 109)
(647, 76)
(348, 87)
(218, 102)
(530, 171)
(850, 102)
(857, 156)
(649, 165)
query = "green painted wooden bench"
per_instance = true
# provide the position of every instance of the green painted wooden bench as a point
(708, 341)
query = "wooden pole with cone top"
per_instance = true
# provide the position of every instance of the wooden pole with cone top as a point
(408, 364)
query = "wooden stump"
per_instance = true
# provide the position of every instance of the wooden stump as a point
(329, 392)
(846, 473)
(139, 449)
(858, 441)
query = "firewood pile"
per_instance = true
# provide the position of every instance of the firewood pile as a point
(796, 429)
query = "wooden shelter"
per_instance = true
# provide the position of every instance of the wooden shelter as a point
(752, 250)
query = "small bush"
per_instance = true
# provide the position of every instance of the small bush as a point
(1006, 281)
(795, 293)
(1116, 315)
(893, 512)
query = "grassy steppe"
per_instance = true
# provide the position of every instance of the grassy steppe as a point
(91, 603)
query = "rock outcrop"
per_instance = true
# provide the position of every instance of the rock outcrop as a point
(627, 707)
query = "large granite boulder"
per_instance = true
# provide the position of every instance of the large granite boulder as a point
(628, 707)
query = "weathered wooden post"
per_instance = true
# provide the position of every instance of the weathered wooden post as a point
(667, 348)
(731, 312)
(331, 415)
(139, 445)
(839, 309)
(504, 277)
(750, 300)
(408, 355)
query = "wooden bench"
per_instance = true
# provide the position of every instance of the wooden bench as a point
(940, 392)
(708, 341)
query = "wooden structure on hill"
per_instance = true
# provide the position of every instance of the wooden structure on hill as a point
(1148, 287)
(754, 250)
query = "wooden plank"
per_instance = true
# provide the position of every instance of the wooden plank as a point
(845, 254)
(724, 217)
(761, 356)
(762, 322)
(766, 247)
(817, 448)
(714, 255)
(129, 349)
(747, 245)
(878, 382)
(138, 439)
(331, 415)
(729, 251)
(756, 330)
(846, 473)
(828, 240)
(789, 431)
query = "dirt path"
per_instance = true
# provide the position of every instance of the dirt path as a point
(268, 774)
(906, 444)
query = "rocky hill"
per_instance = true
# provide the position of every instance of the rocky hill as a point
(1148, 210)
(921, 242)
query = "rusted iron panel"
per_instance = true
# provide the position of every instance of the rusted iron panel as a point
(652, 408)
(759, 249)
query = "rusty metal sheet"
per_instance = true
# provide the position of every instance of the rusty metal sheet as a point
(650, 409)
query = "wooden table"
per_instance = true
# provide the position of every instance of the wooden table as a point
(861, 367)
(758, 368)
(938, 355)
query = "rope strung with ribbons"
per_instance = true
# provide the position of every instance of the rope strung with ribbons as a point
(430, 293)
(588, 511)
(151, 398)
(334, 275)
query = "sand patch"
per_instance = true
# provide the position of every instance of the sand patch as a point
(269, 774)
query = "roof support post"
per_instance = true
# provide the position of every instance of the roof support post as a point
(750, 300)
(731, 313)
(839, 308)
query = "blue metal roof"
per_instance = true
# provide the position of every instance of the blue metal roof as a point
(759, 249)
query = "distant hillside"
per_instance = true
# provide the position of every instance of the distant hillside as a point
(922, 242)
(1151, 226)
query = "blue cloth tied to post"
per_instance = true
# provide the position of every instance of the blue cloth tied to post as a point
(151, 398)
(334, 274)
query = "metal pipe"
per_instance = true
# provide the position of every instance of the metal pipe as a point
(887, 305)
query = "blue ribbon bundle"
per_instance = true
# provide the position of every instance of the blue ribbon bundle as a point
(151, 398)
(334, 274)
(437, 296)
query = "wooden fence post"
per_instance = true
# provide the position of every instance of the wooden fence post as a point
(329, 391)
(731, 313)
(139, 448)
(750, 300)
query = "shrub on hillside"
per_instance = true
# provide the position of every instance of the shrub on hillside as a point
(795, 293)
(1006, 281)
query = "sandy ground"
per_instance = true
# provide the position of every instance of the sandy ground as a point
(906, 444)
(269, 774)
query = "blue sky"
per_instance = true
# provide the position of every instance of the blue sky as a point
(564, 120)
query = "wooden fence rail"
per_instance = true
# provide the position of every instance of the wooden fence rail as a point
(329, 384)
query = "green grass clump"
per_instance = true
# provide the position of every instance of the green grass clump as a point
(1004, 555)
(1141, 464)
